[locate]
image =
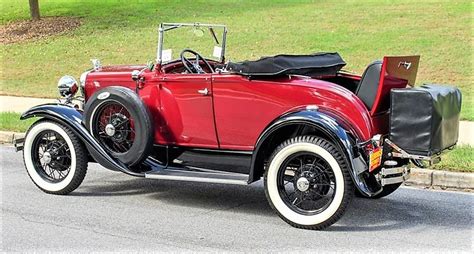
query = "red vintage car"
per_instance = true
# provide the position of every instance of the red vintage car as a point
(315, 133)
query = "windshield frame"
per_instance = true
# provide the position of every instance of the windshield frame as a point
(170, 26)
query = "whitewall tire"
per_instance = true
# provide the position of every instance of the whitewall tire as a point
(55, 159)
(307, 182)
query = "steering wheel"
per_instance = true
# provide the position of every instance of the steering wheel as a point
(193, 66)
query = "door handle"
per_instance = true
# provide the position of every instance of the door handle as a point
(204, 91)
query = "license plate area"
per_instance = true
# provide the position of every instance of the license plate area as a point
(375, 159)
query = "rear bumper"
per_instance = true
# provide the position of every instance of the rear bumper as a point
(394, 175)
(18, 143)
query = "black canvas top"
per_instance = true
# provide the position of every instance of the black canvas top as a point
(309, 65)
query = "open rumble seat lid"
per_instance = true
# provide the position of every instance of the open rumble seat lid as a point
(309, 65)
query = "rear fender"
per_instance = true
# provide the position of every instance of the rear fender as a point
(72, 118)
(330, 127)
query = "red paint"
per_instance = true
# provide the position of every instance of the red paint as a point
(245, 107)
(188, 114)
(237, 110)
(393, 75)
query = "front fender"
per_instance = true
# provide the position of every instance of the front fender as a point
(331, 128)
(72, 118)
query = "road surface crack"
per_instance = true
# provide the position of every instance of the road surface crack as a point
(24, 218)
(222, 209)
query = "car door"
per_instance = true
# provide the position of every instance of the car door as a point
(238, 116)
(187, 110)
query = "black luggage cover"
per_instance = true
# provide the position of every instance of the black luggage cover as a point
(425, 120)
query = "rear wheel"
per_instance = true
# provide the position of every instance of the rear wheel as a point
(307, 182)
(55, 159)
(120, 121)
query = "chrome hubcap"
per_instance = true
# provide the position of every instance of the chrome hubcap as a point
(302, 184)
(110, 130)
(46, 157)
(311, 186)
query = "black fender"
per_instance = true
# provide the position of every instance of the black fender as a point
(72, 118)
(331, 128)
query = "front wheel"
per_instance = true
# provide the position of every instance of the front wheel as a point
(307, 182)
(55, 159)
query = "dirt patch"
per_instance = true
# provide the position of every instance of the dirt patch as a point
(20, 31)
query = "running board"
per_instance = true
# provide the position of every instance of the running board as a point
(207, 176)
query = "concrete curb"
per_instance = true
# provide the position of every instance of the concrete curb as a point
(7, 137)
(438, 179)
(420, 177)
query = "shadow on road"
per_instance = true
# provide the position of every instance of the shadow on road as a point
(404, 209)
(104, 187)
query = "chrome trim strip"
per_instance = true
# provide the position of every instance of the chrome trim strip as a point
(405, 171)
(391, 171)
(196, 179)
(193, 176)
(392, 180)
(220, 151)
(160, 44)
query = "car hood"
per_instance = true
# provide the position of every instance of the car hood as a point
(111, 75)
(120, 68)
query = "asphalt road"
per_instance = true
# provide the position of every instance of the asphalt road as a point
(114, 212)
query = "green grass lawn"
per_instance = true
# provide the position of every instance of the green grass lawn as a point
(10, 121)
(460, 159)
(125, 32)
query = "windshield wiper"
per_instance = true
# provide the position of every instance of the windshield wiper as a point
(214, 35)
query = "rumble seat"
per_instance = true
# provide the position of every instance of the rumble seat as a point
(369, 83)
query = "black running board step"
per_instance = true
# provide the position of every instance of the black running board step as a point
(208, 176)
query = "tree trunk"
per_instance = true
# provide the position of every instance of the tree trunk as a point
(34, 10)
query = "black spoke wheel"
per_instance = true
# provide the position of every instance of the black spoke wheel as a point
(307, 182)
(55, 159)
(51, 156)
(119, 119)
(114, 127)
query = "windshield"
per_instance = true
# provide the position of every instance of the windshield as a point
(208, 40)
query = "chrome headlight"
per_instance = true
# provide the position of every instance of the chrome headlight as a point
(67, 86)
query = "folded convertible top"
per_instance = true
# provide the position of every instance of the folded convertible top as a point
(309, 65)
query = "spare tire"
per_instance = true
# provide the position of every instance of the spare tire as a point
(120, 121)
